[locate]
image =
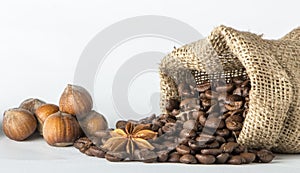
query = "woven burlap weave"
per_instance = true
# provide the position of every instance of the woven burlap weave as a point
(273, 66)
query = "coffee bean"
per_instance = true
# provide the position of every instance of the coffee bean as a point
(238, 80)
(215, 144)
(205, 138)
(205, 159)
(265, 156)
(121, 124)
(203, 87)
(235, 118)
(229, 147)
(239, 149)
(186, 133)
(231, 139)
(162, 156)
(222, 158)
(95, 151)
(235, 160)
(175, 112)
(172, 104)
(206, 102)
(234, 105)
(238, 91)
(188, 159)
(174, 157)
(249, 157)
(145, 155)
(182, 149)
(232, 125)
(214, 123)
(195, 145)
(246, 83)
(112, 158)
(214, 109)
(220, 139)
(223, 132)
(225, 88)
(202, 120)
(211, 151)
(190, 125)
(211, 94)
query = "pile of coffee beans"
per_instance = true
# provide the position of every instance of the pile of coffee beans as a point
(202, 128)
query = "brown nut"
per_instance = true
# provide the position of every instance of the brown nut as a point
(18, 124)
(75, 100)
(43, 112)
(93, 123)
(61, 129)
(31, 104)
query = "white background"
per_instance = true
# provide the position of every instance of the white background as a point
(41, 42)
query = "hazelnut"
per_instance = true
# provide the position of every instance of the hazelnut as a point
(43, 112)
(61, 129)
(18, 124)
(93, 122)
(31, 104)
(75, 100)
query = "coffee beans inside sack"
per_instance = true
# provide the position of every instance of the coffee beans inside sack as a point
(224, 99)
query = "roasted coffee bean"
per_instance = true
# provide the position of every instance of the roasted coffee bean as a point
(195, 145)
(223, 132)
(220, 139)
(189, 103)
(203, 87)
(265, 156)
(239, 149)
(112, 158)
(249, 157)
(238, 91)
(229, 147)
(188, 159)
(214, 144)
(235, 160)
(205, 159)
(206, 103)
(162, 156)
(231, 139)
(205, 138)
(145, 155)
(211, 151)
(182, 149)
(168, 128)
(121, 124)
(172, 104)
(235, 118)
(174, 157)
(202, 120)
(95, 151)
(225, 88)
(211, 94)
(159, 147)
(234, 126)
(234, 105)
(245, 83)
(214, 123)
(238, 80)
(214, 109)
(222, 158)
(190, 125)
(175, 112)
(233, 98)
(186, 133)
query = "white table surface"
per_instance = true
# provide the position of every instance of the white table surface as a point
(36, 156)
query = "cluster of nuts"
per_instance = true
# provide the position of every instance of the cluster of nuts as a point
(59, 125)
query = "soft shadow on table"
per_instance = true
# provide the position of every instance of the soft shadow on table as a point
(1, 131)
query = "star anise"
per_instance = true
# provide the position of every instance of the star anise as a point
(132, 137)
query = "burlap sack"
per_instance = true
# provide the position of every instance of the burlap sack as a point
(273, 66)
